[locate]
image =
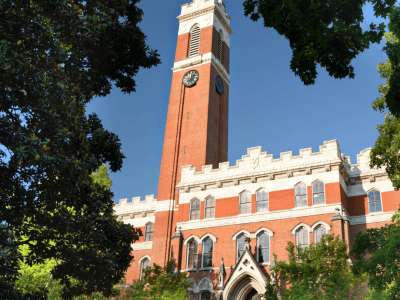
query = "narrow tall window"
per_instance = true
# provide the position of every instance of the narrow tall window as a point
(374, 200)
(192, 255)
(143, 266)
(263, 247)
(194, 40)
(240, 246)
(220, 45)
(318, 192)
(207, 253)
(245, 203)
(301, 195)
(262, 200)
(302, 238)
(149, 232)
(210, 207)
(319, 233)
(195, 209)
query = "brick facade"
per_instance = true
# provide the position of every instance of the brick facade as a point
(194, 166)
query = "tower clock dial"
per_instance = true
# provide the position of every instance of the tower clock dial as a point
(219, 85)
(190, 78)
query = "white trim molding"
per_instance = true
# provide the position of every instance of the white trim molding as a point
(372, 218)
(210, 236)
(324, 224)
(144, 257)
(248, 234)
(268, 231)
(192, 236)
(302, 224)
(142, 246)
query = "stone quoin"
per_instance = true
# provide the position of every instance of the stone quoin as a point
(222, 223)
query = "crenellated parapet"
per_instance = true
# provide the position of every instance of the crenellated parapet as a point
(258, 165)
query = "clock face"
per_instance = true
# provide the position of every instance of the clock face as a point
(219, 85)
(190, 78)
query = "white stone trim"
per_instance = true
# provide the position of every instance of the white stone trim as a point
(142, 246)
(372, 218)
(165, 205)
(139, 221)
(360, 189)
(268, 231)
(323, 224)
(210, 236)
(248, 234)
(298, 226)
(261, 217)
(270, 186)
(192, 236)
(143, 257)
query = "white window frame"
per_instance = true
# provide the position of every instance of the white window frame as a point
(190, 208)
(258, 247)
(237, 245)
(245, 191)
(187, 254)
(315, 229)
(312, 192)
(143, 260)
(145, 232)
(308, 237)
(259, 190)
(205, 206)
(202, 252)
(297, 184)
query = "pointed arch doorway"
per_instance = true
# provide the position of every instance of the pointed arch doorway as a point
(247, 288)
(253, 295)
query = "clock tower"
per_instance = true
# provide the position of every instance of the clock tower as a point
(196, 131)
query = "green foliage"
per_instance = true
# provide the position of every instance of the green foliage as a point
(101, 177)
(325, 32)
(55, 56)
(322, 273)
(377, 253)
(159, 284)
(386, 151)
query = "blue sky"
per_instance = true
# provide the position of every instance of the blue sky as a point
(269, 106)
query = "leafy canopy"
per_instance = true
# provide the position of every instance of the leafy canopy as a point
(377, 253)
(322, 273)
(159, 283)
(55, 56)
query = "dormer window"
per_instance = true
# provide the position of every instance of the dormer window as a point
(194, 40)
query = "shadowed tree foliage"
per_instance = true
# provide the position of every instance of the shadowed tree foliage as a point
(323, 272)
(377, 253)
(55, 56)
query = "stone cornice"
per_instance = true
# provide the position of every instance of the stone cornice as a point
(203, 12)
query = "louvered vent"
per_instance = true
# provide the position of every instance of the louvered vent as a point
(194, 41)
(219, 46)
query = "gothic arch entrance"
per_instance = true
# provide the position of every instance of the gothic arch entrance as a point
(248, 288)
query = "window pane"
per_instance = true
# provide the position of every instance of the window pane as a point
(321, 186)
(371, 207)
(377, 195)
(259, 206)
(264, 255)
(298, 190)
(265, 205)
(248, 207)
(315, 187)
(303, 189)
(378, 206)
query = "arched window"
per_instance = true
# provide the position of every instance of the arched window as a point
(301, 194)
(318, 233)
(210, 207)
(245, 203)
(262, 200)
(220, 49)
(205, 296)
(148, 236)
(194, 40)
(240, 246)
(302, 238)
(374, 200)
(263, 247)
(318, 192)
(195, 209)
(207, 253)
(192, 255)
(143, 266)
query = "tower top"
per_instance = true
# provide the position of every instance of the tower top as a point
(203, 7)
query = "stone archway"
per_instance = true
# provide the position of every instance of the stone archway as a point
(247, 288)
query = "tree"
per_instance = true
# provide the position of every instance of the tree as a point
(159, 284)
(55, 56)
(323, 272)
(377, 253)
(329, 33)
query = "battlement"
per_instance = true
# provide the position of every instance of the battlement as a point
(201, 6)
(136, 206)
(257, 163)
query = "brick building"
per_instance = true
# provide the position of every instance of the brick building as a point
(222, 223)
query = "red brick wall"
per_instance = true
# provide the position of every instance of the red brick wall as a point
(162, 237)
(182, 47)
(133, 272)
